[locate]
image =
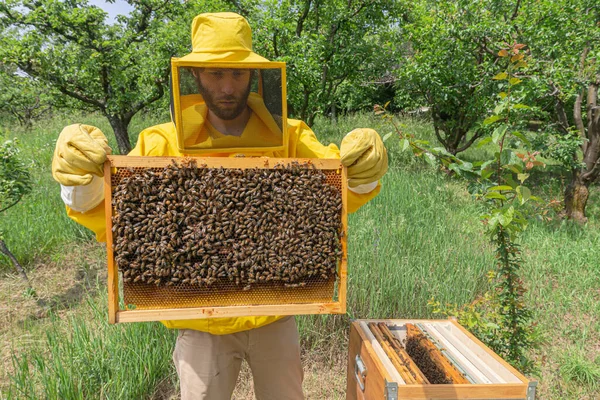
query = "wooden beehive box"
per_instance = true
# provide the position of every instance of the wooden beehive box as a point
(151, 297)
(373, 374)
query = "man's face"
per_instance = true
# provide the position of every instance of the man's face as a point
(225, 91)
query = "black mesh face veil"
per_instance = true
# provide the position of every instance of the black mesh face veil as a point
(270, 81)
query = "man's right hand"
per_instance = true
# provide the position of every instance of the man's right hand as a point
(80, 152)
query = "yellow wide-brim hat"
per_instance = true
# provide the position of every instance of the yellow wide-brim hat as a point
(221, 37)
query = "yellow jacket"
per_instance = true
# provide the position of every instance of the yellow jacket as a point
(161, 140)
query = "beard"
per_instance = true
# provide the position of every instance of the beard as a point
(236, 103)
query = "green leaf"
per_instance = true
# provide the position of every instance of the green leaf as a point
(404, 143)
(483, 142)
(499, 109)
(493, 222)
(466, 166)
(430, 159)
(502, 95)
(521, 64)
(491, 119)
(517, 169)
(514, 81)
(387, 136)
(441, 151)
(522, 177)
(506, 156)
(499, 133)
(500, 76)
(495, 195)
(454, 167)
(522, 137)
(510, 180)
(500, 187)
(520, 106)
(506, 216)
(524, 194)
(486, 173)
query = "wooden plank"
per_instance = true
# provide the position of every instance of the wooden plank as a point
(501, 367)
(402, 354)
(434, 355)
(113, 277)
(408, 376)
(463, 391)
(343, 268)
(376, 373)
(366, 333)
(225, 162)
(472, 364)
(229, 311)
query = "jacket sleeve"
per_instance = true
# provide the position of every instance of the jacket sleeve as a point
(152, 141)
(304, 144)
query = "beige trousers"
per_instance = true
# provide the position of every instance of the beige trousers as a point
(208, 365)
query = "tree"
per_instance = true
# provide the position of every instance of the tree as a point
(565, 36)
(23, 97)
(15, 183)
(325, 44)
(114, 69)
(449, 57)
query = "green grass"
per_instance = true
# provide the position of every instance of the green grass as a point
(420, 238)
(83, 357)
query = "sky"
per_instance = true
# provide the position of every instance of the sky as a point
(114, 9)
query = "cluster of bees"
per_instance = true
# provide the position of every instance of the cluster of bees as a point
(190, 225)
(420, 355)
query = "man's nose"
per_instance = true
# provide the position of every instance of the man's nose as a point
(228, 85)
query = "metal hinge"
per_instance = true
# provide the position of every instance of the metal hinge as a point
(391, 390)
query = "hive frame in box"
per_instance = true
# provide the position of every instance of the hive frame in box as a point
(117, 314)
(371, 374)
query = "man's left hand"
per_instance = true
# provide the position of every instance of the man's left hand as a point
(363, 152)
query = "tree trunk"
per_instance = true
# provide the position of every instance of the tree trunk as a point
(576, 197)
(577, 193)
(119, 125)
(333, 113)
(15, 262)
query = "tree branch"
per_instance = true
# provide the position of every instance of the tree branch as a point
(476, 136)
(515, 13)
(577, 114)
(274, 40)
(20, 270)
(12, 205)
(300, 23)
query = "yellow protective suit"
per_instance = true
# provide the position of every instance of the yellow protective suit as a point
(161, 140)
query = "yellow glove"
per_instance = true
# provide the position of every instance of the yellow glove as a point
(80, 152)
(362, 151)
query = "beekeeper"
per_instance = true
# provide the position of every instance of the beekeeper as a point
(226, 101)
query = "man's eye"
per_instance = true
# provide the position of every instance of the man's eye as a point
(216, 74)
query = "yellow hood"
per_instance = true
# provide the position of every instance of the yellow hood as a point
(224, 37)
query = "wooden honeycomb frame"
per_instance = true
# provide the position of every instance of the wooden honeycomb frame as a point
(328, 297)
